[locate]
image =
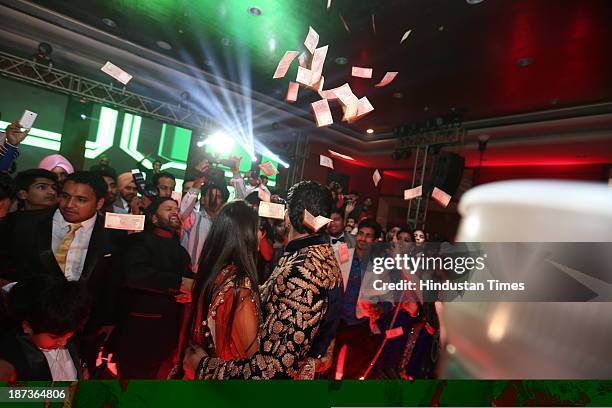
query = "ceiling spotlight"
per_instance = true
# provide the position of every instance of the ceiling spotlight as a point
(369, 131)
(163, 45)
(341, 61)
(272, 44)
(474, 1)
(83, 116)
(109, 22)
(254, 11)
(524, 62)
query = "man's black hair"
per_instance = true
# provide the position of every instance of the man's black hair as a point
(92, 179)
(311, 196)
(404, 229)
(162, 174)
(212, 185)
(26, 178)
(253, 198)
(337, 210)
(370, 223)
(157, 202)
(50, 304)
(105, 173)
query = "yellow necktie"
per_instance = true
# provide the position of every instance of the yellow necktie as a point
(62, 250)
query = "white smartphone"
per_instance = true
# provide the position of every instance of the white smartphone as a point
(27, 119)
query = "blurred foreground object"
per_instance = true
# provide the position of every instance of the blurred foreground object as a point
(541, 340)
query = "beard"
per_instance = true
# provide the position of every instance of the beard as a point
(172, 224)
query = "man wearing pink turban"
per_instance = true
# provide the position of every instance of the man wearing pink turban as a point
(57, 164)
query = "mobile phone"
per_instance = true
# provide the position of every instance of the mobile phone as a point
(27, 119)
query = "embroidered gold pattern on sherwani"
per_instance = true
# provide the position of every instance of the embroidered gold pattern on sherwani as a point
(294, 301)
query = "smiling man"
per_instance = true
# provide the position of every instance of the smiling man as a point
(68, 240)
(157, 283)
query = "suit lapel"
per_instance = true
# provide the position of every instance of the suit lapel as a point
(45, 252)
(97, 244)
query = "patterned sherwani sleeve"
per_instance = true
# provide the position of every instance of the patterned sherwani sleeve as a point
(296, 301)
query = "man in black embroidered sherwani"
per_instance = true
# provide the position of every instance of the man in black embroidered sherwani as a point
(301, 303)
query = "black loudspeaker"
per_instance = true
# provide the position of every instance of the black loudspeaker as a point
(340, 178)
(446, 172)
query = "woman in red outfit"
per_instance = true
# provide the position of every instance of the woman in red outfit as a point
(226, 317)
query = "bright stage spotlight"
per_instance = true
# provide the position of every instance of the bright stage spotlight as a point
(278, 160)
(218, 142)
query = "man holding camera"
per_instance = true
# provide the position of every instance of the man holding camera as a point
(196, 224)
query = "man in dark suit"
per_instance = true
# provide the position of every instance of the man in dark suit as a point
(335, 228)
(70, 241)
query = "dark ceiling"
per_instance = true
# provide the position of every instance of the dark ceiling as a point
(458, 55)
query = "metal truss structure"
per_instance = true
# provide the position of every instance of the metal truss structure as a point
(423, 146)
(65, 82)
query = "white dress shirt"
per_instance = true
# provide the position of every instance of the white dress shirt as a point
(249, 188)
(75, 259)
(242, 189)
(60, 364)
(338, 243)
(196, 225)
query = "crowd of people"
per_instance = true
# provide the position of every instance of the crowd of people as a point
(208, 290)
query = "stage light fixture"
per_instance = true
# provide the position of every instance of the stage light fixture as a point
(482, 142)
(43, 54)
(185, 99)
(369, 131)
(254, 11)
(524, 62)
(218, 142)
(163, 45)
(109, 22)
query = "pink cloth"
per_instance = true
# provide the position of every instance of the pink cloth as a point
(56, 160)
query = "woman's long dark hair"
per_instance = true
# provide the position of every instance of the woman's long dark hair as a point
(232, 239)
